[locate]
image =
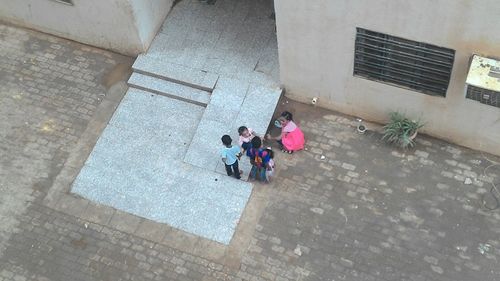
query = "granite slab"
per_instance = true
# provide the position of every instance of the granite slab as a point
(258, 107)
(204, 151)
(229, 93)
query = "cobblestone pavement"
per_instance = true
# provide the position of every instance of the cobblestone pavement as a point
(348, 208)
(49, 89)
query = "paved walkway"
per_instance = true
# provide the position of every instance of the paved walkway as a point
(49, 90)
(364, 211)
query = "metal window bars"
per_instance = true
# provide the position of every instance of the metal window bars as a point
(401, 62)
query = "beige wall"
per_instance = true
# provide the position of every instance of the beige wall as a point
(149, 16)
(125, 26)
(316, 48)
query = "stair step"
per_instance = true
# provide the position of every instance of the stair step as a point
(169, 89)
(154, 65)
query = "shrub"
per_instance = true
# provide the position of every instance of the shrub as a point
(400, 130)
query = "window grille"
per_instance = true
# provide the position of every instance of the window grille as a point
(413, 65)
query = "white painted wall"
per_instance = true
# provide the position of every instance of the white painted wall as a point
(149, 16)
(125, 26)
(316, 48)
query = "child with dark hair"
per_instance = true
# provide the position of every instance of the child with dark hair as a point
(259, 158)
(246, 136)
(230, 155)
(291, 138)
(270, 169)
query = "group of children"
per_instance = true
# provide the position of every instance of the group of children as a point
(250, 145)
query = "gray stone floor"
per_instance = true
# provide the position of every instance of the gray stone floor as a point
(364, 212)
(233, 38)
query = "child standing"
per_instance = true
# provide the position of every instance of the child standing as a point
(230, 155)
(270, 169)
(245, 140)
(259, 158)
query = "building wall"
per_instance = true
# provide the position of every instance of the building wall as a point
(316, 49)
(125, 26)
(149, 16)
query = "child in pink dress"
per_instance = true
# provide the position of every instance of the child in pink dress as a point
(291, 138)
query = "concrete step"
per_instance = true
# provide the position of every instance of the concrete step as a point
(154, 64)
(169, 89)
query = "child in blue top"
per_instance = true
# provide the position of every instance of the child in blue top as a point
(230, 155)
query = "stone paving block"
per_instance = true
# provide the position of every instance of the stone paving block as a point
(124, 221)
(181, 240)
(72, 205)
(98, 213)
(153, 231)
(217, 252)
(170, 89)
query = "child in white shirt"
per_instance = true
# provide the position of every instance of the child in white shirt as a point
(245, 140)
(270, 169)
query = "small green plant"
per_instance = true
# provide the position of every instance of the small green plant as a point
(400, 130)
